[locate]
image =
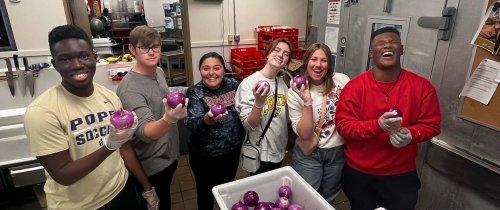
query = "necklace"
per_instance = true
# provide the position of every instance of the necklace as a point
(386, 87)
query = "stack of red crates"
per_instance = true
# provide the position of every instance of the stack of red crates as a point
(267, 34)
(245, 61)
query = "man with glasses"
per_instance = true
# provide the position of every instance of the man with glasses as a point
(142, 90)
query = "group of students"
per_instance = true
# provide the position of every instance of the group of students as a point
(363, 147)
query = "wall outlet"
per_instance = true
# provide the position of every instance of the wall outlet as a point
(236, 37)
(230, 37)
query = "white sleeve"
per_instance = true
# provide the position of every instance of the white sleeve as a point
(244, 102)
(295, 106)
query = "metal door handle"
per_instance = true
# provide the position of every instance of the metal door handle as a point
(443, 23)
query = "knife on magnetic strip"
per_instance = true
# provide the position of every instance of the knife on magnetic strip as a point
(20, 76)
(10, 77)
(30, 81)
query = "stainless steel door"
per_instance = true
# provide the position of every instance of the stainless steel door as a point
(358, 21)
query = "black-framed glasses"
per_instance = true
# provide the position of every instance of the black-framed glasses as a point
(144, 50)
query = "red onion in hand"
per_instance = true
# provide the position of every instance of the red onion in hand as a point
(218, 109)
(398, 111)
(175, 98)
(299, 80)
(122, 119)
(262, 83)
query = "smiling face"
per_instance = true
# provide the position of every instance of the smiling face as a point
(279, 56)
(317, 67)
(76, 63)
(212, 72)
(386, 50)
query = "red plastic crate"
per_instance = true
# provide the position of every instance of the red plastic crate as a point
(299, 53)
(278, 30)
(248, 53)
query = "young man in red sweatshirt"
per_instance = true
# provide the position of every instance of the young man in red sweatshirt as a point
(380, 145)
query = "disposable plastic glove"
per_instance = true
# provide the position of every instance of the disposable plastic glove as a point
(303, 92)
(117, 137)
(401, 138)
(260, 95)
(171, 116)
(389, 123)
(218, 118)
(152, 199)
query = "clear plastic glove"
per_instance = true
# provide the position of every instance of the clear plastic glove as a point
(117, 137)
(260, 95)
(303, 92)
(218, 118)
(389, 123)
(401, 138)
(171, 116)
(152, 199)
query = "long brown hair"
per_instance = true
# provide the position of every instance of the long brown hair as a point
(275, 43)
(327, 80)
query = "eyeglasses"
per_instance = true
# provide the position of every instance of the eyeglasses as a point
(144, 50)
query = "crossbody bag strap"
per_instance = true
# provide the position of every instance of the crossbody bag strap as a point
(272, 114)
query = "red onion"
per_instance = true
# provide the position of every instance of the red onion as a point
(262, 83)
(262, 206)
(251, 198)
(175, 98)
(399, 113)
(294, 207)
(299, 80)
(282, 203)
(122, 119)
(218, 109)
(239, 206)
(271, 204)
(285, 191)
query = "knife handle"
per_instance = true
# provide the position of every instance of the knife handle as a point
(16, 62)
(26, 66)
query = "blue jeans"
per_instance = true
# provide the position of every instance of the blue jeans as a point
(322, 169)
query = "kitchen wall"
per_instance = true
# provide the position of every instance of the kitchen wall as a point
(31, 21)
(211, 21)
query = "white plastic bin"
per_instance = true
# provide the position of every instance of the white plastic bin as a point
(267, 185)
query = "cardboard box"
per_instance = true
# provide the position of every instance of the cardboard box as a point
(267, 185)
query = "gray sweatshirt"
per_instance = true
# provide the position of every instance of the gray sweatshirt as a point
(143, 95)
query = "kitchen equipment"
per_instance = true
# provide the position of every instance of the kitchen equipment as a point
(30, 80)
(20, 76)
(10, 77)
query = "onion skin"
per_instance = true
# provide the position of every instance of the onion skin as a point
(239, 206)
(263, 83)
(282, 203)
(262, 206)
(294, 207)
(175, 98)
(251, 198)
(122, 119)
(285, 191)
(217, 109)
(399, 113)
(299, 80)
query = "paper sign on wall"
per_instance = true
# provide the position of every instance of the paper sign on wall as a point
(482, 85)
(333, 15)
(332, 37)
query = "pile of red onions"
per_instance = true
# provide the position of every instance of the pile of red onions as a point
(251, 199)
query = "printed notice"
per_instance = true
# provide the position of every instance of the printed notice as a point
(333, 15)
(331, 38)
(482, 85)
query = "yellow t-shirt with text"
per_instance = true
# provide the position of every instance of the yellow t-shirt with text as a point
(58, 120)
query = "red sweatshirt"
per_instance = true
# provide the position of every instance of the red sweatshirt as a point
(363, 100)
